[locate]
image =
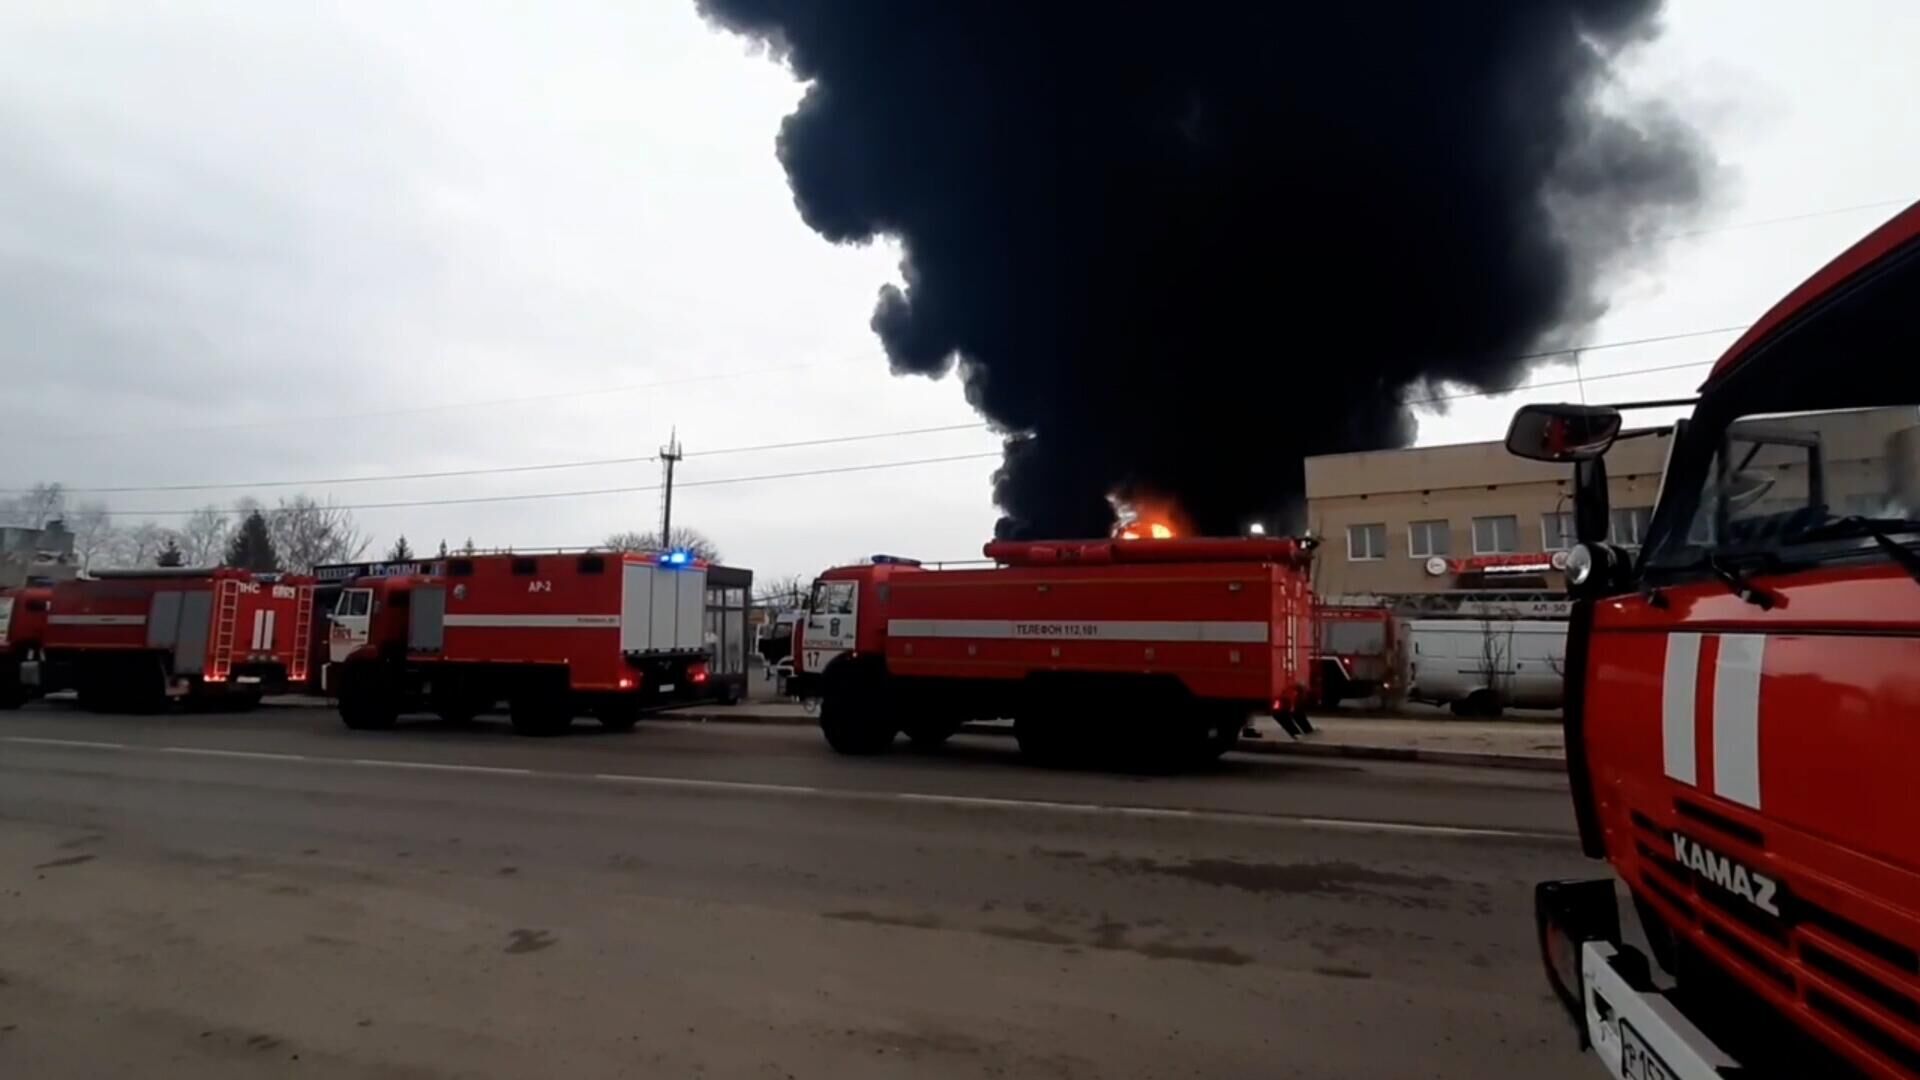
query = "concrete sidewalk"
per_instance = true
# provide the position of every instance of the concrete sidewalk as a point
(1493, 744)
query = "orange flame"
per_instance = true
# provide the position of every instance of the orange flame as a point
(1149, 518)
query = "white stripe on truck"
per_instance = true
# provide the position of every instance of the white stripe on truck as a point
(1676, 706)
(533, 622)
(1736, 718)
(1071, 630)
(97, 620)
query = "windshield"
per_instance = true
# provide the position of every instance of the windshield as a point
(353, 602)
(1351, 637)
(1808, 485)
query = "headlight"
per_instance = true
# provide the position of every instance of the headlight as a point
(1580, 564)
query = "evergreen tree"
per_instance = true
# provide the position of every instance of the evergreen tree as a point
(171, 555)
(252, 546)
(400, 552)
(443, 549)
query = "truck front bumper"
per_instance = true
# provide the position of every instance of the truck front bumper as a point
(1607, 988)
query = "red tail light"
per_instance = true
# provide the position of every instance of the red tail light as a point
(697, 676)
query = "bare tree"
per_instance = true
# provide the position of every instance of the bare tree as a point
(137, 546)
(307, 533)
(692, 541)
(783, 591)
(92, 530)
(40, 504)
(1496, 657)
(203, 536)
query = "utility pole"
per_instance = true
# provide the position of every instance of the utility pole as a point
(669, 455)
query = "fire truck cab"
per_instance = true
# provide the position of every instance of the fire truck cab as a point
(23, 638)
(1743, 702)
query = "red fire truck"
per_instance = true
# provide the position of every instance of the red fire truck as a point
(555, 636)
(1170, 645)
(135, 639)
(1743, 702)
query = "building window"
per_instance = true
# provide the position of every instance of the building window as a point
(1556, 532)
(1630, 525)
(1365, 542)
(1427, 538)
(1496, 535)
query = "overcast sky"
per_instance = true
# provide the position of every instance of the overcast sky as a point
(260, 242)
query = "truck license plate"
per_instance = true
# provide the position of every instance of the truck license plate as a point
(1637, 1059)
(666, 688)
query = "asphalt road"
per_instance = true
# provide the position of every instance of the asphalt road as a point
(270, 894)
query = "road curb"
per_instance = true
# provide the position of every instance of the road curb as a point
(1271, 747)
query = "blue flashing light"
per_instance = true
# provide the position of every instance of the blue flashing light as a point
(675, 558)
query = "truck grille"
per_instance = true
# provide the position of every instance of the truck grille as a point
(1855, 988)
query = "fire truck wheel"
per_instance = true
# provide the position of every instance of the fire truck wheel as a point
(618, 716)
(367, 712)
(1224, 736)
(1044, 740)
(365, 704)
(12, 693)
(931, 732)
(144, 689)
(854, 722)
(539, 714)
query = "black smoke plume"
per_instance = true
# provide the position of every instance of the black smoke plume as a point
(1174, 247)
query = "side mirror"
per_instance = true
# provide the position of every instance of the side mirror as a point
(1562, 432)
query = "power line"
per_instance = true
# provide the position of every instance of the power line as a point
(723, 481)
(1580, 378)
(1831, 212)
(836, 439)
(503, 469)
(1561, 382)
(1573, 350)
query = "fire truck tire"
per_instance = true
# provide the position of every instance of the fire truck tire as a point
(1224, 736)
(540, 715)
(1044, 740)
(143, 688)
(854, 720)
(13, 693)
(931, 732)
(365, 703)
(618, 716)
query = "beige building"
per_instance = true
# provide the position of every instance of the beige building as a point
(35, 554)
(1447, 526)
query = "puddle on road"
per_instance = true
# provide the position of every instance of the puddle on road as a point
(526, 941)
(1333, 878)
(1107, 936)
